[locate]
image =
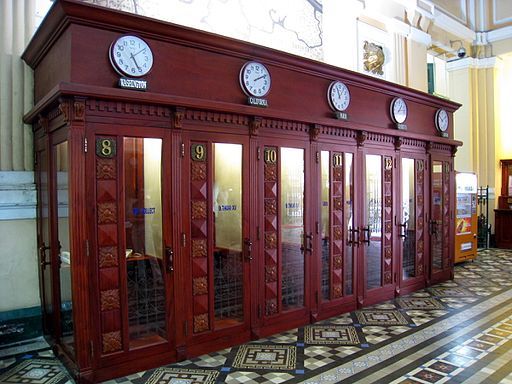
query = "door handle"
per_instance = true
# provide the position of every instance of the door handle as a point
(42, 256)
(403, 229)
(352, 239)
(433, 227)
(169, 254)
(308, 242)
(366, 238)
(248, 249)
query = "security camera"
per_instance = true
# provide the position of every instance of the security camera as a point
(461, 52)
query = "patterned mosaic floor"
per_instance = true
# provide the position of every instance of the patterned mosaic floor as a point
(458, 331)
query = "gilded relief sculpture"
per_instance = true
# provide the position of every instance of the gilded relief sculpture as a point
(373, 58)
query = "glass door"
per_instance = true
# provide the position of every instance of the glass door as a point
(219, 250)
(43, 236)
(60, 169)
(377, 282)
(410, 222)
(133, 242)
(144, 249)
(439, 223)
(287, 242)
(336, 240)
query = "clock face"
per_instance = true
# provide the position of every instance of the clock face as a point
(441, 120)
(398, 110)
(338, 96)
(131, 56)
(255, 79)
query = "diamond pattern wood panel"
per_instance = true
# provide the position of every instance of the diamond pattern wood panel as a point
(270, 203)
(108, 257)
(109, 299)
(199, 238)
(107, 253)
(388, 220)
(420, 215)
(105, 168)
(336, 238)
(111, 342)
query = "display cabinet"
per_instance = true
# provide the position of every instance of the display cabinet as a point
(466, 217)
(185, 205)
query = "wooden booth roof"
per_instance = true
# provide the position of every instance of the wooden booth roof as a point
(199, 70)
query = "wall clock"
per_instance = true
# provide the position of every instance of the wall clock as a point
(338, 96)
(255, 79)
(131, 56)
(398, 110)
(441, 120)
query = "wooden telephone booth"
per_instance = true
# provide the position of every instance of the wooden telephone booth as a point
(195, 192)
(503, 214)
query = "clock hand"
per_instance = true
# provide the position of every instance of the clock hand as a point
(142, 50)
(261, 77)
(135, 61)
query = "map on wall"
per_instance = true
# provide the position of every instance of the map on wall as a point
(290, 26)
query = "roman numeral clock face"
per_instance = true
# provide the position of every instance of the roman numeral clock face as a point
(131, 56)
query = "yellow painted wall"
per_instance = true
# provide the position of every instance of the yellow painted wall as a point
(460, 91)
(416, 67)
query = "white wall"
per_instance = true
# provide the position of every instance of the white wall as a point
(19, 283)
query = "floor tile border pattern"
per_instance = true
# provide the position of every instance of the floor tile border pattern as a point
(450, 312)
(423, 353)
(469, 367)
(344, 371)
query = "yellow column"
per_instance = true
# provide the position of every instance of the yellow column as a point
(472, 83)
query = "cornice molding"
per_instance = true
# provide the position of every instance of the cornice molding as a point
(470, 62)
(420, 36)
(401, 28)
(499, 34)
(453, 26)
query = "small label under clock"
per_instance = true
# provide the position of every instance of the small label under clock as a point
(341, 115)
(257, 102)
(138, 85)
(401, 127)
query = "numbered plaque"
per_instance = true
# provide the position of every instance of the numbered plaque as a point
(198, 152)
(270, 155)
(106, 147)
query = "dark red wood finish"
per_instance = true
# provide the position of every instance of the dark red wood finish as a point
(415, 149)
(503, 215)
(194, 97)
